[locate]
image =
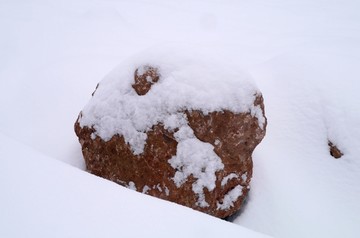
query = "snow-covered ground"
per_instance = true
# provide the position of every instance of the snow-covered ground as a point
(42, 197)
(304, 56)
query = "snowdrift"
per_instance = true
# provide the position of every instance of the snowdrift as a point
(42, 197)
(303, 55)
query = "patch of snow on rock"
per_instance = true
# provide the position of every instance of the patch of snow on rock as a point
(145, 189)
(244, 176)
(167, 192)
(230, 198)
(227, 178)
(131, 186)
(195, 158)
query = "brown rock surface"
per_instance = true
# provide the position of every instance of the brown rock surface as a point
(233, 136)
(144, 79)
(334, 150)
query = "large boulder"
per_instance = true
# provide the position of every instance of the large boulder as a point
(180, 132)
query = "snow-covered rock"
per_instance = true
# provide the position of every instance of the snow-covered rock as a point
(183, 130)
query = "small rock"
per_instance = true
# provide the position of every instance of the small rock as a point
(334, 151)
(145, 77)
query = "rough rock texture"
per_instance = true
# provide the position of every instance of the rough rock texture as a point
(234, 137)
(144, 80)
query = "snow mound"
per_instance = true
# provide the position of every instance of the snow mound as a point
(42, 197)
(188, 80)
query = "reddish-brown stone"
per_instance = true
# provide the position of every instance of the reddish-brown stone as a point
(334, 150)
(234, 137)
(144, 80)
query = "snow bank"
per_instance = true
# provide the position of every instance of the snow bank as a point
(304, 55)
(42, 197)
(301, 188)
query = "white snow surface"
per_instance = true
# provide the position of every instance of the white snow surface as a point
(303, 55)
(43, 197)
(188, 80)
